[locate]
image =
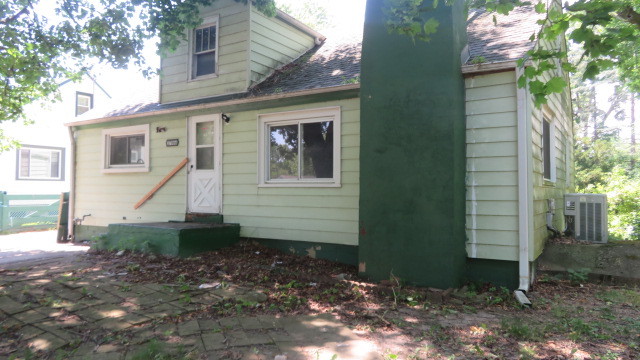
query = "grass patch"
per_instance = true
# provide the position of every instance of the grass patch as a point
(520, 330)
(621, 296)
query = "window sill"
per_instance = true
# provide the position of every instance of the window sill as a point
(300, 185)
(51, 179)
(203, 77)
(548, 183)
(125, 170)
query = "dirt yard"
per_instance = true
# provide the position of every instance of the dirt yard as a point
(570, 319)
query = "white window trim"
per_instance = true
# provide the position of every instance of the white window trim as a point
(549, 116)
(213, 20)
(123, 131)
(295, 117)
(61, 164)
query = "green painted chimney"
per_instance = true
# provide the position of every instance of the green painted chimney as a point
(412, 160)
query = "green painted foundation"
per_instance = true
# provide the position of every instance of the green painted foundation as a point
(412, 146)
(496, 272)
(88, 232)
(344, 254)
(173, 238)
(204, 218)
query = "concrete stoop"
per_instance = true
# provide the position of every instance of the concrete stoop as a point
(174, 238)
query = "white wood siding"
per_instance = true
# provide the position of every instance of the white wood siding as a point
(492, 167)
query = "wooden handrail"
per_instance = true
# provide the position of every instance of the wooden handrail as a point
(161, 183)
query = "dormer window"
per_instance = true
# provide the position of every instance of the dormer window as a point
(84, 103)
(205, 49)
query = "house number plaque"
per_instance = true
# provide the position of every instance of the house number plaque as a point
(172, 142)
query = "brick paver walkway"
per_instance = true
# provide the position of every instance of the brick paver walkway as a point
(66, 309)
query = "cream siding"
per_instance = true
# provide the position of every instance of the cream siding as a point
(109, 197)
(328, 215)
(274, 44)
(233, 44)
(492, 167)
(559, 114)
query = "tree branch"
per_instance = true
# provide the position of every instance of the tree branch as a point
(629, 15)
(15, 16)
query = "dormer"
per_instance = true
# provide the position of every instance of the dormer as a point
(234, 48)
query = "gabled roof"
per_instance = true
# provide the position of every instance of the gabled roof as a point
(505, 40)
(335, 65)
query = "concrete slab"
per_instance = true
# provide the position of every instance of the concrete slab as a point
(34, 245)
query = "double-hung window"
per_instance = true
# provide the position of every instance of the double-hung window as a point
(126, 149)
(300, 148)
(40, 163)
(204, 49)
(84, 103)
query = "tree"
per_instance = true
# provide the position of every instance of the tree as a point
(308, 12)
(608, 32)
(38, 49)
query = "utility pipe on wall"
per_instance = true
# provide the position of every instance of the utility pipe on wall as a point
(72, 186)
(524, 186)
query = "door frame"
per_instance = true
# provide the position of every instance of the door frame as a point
(217, 158)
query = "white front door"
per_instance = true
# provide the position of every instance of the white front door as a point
(205, 164)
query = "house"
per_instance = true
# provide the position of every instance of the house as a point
(36, 172)
(405, 158)
(40, 165)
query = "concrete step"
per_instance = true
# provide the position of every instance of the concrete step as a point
(172, 238)
(204, 218)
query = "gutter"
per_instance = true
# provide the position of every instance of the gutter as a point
(490, 67)
(524, 152)
(212, 105)
(72, 188)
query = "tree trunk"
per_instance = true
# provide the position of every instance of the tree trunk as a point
(633, 131)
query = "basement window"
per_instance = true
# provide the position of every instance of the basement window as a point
(204, 45)
(126, 149)
(300, 148)
(40, 163)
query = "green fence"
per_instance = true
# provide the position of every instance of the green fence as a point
(28, 212)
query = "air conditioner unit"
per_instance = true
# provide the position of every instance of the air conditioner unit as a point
(587, 216)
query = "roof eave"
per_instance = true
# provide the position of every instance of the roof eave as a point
(319, 38)
(217, 104)
(496, 66)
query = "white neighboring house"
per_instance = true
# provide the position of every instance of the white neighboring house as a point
(41, 165)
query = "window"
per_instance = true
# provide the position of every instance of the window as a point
(126, 149)
(40, 163)
(548, 153)
(300, 148)
(84, 103)
(204, 47)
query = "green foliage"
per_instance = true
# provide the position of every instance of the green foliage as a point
(519, 330)
(578, 276)
(405, 17)
(309, 12)
(39, 48)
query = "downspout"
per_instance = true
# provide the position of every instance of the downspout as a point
(524, 273)
(72, 187)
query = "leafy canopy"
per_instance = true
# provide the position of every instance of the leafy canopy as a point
(608, 32)
(40, 48)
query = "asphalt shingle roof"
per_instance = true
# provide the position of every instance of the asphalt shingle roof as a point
(337, 62)
(505, 40)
